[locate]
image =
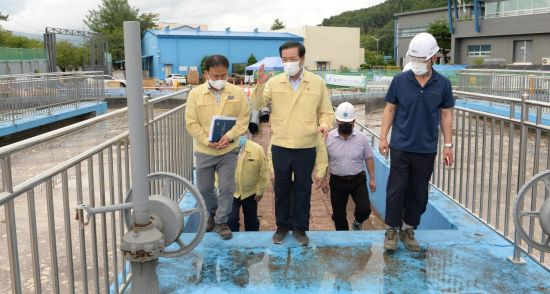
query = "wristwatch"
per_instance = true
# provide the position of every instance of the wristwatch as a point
(449, 145)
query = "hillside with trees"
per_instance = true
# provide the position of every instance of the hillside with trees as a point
(377, 22)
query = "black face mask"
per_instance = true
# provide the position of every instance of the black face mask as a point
(345, 128)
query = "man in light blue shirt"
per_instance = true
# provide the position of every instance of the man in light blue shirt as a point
(348, 152)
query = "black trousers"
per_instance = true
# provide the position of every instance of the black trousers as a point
(340, 189)
(299, 162)
(407, 190)
(250, 212)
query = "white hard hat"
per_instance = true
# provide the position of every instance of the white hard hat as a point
(408, 66)
(423, 45)
(345, 112)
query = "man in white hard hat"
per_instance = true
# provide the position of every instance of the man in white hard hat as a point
(418, 102)
(349, 152)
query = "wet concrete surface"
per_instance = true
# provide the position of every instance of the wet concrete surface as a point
(348, 262)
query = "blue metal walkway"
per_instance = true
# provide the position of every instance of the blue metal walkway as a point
(464, 257)
(41, 119)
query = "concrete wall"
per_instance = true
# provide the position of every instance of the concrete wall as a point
(503, 47)
(411, 21)
(23, 67)
(421, 19)
(500, 33)
(505, 26)
(339, 46)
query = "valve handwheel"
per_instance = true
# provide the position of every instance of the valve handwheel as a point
(543, 214)
(166, 212)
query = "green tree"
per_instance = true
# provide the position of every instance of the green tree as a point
(372, 58)
(107, 20)
(251, 60)
(440, 30)
(239, 68)
(69, 57)
(277, 25)
(7, 39)
(3, 17)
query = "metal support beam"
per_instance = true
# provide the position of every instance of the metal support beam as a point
(476, 15)
(450, 16)
(456, 8)
(71, 32)
(49, 47)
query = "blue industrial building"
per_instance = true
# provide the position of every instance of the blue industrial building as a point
(178, 51)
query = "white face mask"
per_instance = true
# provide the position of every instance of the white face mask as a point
(217, 84)
(292, 68)
(419, 68)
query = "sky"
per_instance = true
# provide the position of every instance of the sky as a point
(32, 16)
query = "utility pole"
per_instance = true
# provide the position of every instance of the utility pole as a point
(377, 39)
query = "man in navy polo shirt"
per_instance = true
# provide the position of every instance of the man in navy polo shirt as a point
(418, 102)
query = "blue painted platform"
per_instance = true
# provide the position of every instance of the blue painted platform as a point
(41, 119)
(459, 254)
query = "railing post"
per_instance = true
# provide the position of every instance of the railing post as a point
(522, 169)
(13, 254)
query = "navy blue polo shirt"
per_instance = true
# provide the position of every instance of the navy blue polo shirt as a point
(416, 121)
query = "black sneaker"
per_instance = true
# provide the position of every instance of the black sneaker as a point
(224, 231)
(210, 225)
(301, 237)
(280, 234)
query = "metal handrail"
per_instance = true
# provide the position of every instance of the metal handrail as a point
(485, 182)
(38, 179)
(65, 73)
(18, 146)
(474, 70)
(107, 166)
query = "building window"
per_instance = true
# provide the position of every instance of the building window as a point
(479, 50)
(322, 65)
(411, 32)
(502, 8)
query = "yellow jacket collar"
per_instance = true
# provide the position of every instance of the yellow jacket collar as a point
(306, 77)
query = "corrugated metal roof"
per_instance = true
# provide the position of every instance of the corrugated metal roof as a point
(225, 35)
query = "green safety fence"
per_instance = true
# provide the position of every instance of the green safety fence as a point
(16, 54)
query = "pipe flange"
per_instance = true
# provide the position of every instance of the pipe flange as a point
(142, 244)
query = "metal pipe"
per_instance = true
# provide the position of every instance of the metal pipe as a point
(34, 242)
(11, 233)
(81, 232)
(52, 237)
(105, 254)
(136, 117)
(68, 235)
(91, 198)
